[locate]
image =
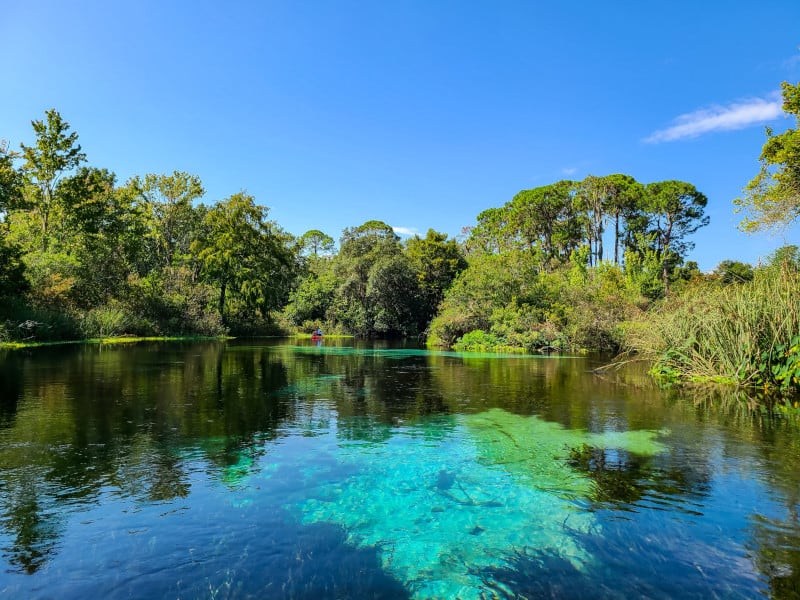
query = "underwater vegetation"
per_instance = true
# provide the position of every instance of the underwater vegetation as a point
(443, 510)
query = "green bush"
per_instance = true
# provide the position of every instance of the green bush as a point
(106, 321)
(780, 366)
(171, 303)
(480, 341)
(24, 322)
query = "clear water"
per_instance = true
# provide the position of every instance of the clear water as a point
(271, 470)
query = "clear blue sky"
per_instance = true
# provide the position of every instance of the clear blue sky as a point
(420, 113)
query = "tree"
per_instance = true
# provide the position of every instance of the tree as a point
(166, 200)
(490, 283)
(244, 255)
(315, 242)
(105, 235)
(55, 154)
(89, 195)
(313, 296)
(593, 193)
(490, 235)
(12, 269)
(392, 296)
(10, 180)
(772, 198)
(623, 204)
(544, 221)
(614, 196)
(733, 271)
(360, 249)
(544, 218)
(436, 261)
(676, 209)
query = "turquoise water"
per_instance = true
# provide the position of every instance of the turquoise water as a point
(279, 470)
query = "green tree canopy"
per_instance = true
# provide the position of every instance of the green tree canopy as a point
(10, 180)
(315, 242)
(360, 250)
(54, 154)
(772, 198)
(245, 254)
(436, 261)
(676, 210)
(166, 203)
(546, 218)
(733, 271)
(624, 204)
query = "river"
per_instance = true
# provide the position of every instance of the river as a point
(342, 469)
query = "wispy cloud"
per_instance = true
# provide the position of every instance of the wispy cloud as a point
(405, 230)
(792, 62)
(569, 170)
(737, 115)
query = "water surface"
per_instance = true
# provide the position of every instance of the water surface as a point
(295, 470)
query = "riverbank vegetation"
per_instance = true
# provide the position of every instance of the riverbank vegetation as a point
(745, 332)
(594, 264)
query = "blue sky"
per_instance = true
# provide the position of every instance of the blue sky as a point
(420, 113)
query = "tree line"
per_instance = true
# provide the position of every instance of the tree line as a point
(650, 223)
(564, 265)
(82, 255)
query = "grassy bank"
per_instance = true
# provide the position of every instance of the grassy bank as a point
(745, 334)
(111, 341)
(331, 336)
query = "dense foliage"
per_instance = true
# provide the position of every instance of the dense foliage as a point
(85, 256)
(82, 256)
(743, 332)
(772, 199)
(595, 264)
(538, 275)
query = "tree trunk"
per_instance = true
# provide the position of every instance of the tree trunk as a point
(223, 288)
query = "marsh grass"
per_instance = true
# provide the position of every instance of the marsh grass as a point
(744, 334)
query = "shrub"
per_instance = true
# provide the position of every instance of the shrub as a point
(105, 321)
(480, 341)
(171, 303)
(24, 322)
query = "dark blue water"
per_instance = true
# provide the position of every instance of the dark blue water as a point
(289, 470)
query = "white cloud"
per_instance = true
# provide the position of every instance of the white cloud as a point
(405, 230)
(720, 118)
(569, 170)
(792, 62)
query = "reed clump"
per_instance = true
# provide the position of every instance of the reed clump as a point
(746, 333)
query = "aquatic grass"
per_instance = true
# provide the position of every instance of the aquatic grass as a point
(536, 451)
(105, 321)
(112, 341)
(739, 334)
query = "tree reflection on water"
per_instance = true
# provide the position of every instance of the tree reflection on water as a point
(80, 425)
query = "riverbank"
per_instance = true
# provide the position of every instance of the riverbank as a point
(111, 340)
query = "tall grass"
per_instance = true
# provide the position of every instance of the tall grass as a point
(745, 333)
(105, 321)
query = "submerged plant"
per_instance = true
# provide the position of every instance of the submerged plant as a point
(443, 510)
